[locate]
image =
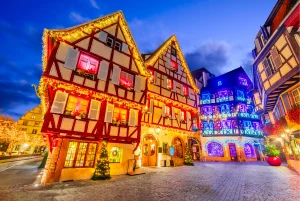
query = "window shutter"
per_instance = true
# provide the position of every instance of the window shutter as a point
(174, 85)
(71, 59)
(286, 101)
(156, 80)
(125, 48)
(173, 113)
(165, 81)
(132, 117)
(257, 45)
(103, 36)
(103, 70)
(265, 63)
(163, 112)
(179, 68)
(137, 85)
(94, 109)
(59, 102)
(168, 63)
(151, 106)
(109, 113)
(115, 79)
(181, 90)
(276, 57)
(179, 115)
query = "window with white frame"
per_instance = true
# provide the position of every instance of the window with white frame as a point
(268, 65)
(296, 96)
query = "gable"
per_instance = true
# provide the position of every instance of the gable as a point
(164, 51)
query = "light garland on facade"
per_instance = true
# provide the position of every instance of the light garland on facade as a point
(100, 23)
(172, 102)
(79, 90)
(188, 133)
(163, 49)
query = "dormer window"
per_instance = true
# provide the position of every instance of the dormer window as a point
(109, 41)
(173, 51)
(118, 45)
(88, 64)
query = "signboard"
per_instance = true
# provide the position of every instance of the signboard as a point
(172, 151)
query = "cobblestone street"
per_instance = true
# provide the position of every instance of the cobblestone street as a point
(204, 181)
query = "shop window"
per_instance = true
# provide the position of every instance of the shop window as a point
(76, 106)
(296, 96)
(178, 148)
(115, 155)
(215, 149)
(174, 65)
(87, 64)
(118, 46)
(34, 131)
(109, 41)
(126, 80)
(173, 51)
(169, 84)
(81, 154)
(120, 116)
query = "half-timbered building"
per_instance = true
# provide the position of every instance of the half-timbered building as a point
(93, 87)
(171, 116)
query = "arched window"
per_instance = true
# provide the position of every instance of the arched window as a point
(215, 149)
(178, 148)
(249, 150)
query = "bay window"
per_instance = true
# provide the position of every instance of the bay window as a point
(76, 106)
(126, 80)
(87, 64)
(81, 154)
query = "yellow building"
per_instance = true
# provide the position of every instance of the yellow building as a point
(31, 122)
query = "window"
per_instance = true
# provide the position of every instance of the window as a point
(36, 123)
(242, 108)
(185, 90)
(205, 98)
(151, 79)
(174, 65)
(263, 40)
(224, 108)
(109, 41)
(23, 129)
(167, 111)
(208, 127)
(173, 51)
(207, 110)
(182, 115)
(243, 81)
(34, 131)
(269, 66)
(115, 155)
(25, 123)
(226, 124)
(33, 116)
(120, 115)
(87, 64)
(223, 96)
(118, 45)
(219, 83)
(165, 148)
(296, 95)
(169, 84)
(247, 124)
(126, 80)
(240, 95)
(215, 149)
(76, 106)
(81, 154)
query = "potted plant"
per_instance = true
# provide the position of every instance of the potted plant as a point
(272, 154)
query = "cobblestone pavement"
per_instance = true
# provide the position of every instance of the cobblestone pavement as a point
(204, 181)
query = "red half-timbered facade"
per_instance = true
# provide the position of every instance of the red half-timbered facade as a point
(93, 87)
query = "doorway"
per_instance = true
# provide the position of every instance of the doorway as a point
(149, 151)
(232, 151)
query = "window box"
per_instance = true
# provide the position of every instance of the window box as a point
(86, 74)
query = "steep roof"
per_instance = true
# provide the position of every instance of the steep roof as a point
(164, 47)
(95, 25)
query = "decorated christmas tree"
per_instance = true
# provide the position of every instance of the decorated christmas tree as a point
(188, 160)
(102, 171)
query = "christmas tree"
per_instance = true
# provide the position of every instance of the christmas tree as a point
(188, 160)
(102, 171)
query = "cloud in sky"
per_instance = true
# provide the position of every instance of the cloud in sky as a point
(94, 4)
(76, 17)
(213, 55)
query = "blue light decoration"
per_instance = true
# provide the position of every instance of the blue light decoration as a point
(240, 95)
(249, 150)
(219, 83)
(208, 127)
(205, 98)
(172, 151)
(243, 81)
(215, 149)
(222, 96)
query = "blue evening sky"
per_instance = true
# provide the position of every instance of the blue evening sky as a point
(216, 34)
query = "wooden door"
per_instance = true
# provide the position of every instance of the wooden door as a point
(149, 152)
(232, 151)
